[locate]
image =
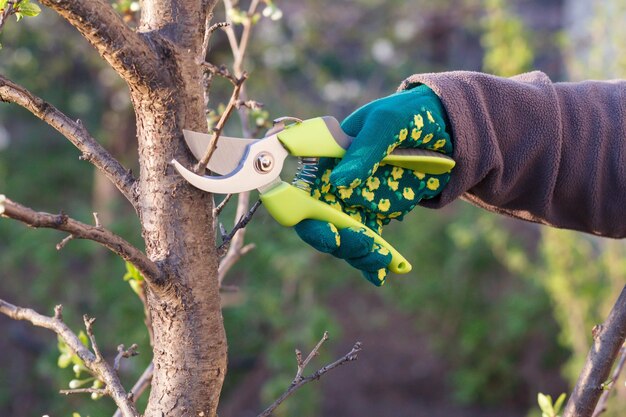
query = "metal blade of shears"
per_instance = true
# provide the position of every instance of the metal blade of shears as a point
(227, 155)
(260, 165)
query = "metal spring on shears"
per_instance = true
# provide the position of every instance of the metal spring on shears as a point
(306, 173)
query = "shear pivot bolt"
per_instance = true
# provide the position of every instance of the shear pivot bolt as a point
(263, 163)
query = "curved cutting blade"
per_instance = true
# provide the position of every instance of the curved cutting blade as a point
(228, 152)
(245, 176)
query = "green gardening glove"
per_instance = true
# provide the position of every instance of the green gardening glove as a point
(374, 194)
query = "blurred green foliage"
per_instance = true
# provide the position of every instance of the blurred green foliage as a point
(507, 44)
(584, 274)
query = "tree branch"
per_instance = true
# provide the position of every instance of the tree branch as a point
(10, 9)
(236, 248)
(217, 210)
(99, 391)
(79, 230)
(233, 243)
(208, 31)
(140, 386)
(122, 352)
(299, 380)
(75, 132)
(608, 387)
(93, 362)
(126, 51)
(243, 222)
(608, 338)
(219, 126)
(222, 71)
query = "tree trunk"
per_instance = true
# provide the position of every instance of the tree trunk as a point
(189, 339)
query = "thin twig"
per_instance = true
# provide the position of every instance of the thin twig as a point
(238, 49)
(10, 8)
(80, 230)
(235, 249)
(219, 126)
(207, 36)
(223, 232)
(122, 352)
(100, 391)
(303, 363)
(608, 387)
(299, 381)
(96, 220)
(218, 210)
(64, 242)
(607, 341)
(140, 386)
(240, 225)
(250, 104)
(222, 71)
(216, 26)
(92, 361)
(208, 31)
(247, 248)
(89, 321)
(247, 30)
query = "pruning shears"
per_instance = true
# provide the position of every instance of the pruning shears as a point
(247, 164)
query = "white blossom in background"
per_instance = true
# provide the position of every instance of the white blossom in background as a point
(341, 90)
(80, 103)
(20, 58)
(120, 100)
(108, 77)
(383, 51)
(2, 200)
(405, 29)
(279, 57)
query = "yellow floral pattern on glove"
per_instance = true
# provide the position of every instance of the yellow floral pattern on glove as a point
(390, 191)
(373, 193)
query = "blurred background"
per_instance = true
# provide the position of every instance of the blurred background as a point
(495, 311)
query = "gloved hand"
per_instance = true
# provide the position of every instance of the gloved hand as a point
(374, 194)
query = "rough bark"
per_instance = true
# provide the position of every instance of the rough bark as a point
(189, 338)
(159, 62)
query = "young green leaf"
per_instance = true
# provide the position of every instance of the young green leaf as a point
(545, 403)
(132, 273)
(64, 360)
(136, 286)
(559, 403)
(83, 338)
(134, 278)
(29, 9)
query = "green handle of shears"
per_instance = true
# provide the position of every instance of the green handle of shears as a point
(323, 137)
(290, 205)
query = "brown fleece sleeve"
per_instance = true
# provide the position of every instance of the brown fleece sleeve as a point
(551, 153)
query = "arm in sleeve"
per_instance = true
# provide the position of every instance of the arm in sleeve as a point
(551, 153)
